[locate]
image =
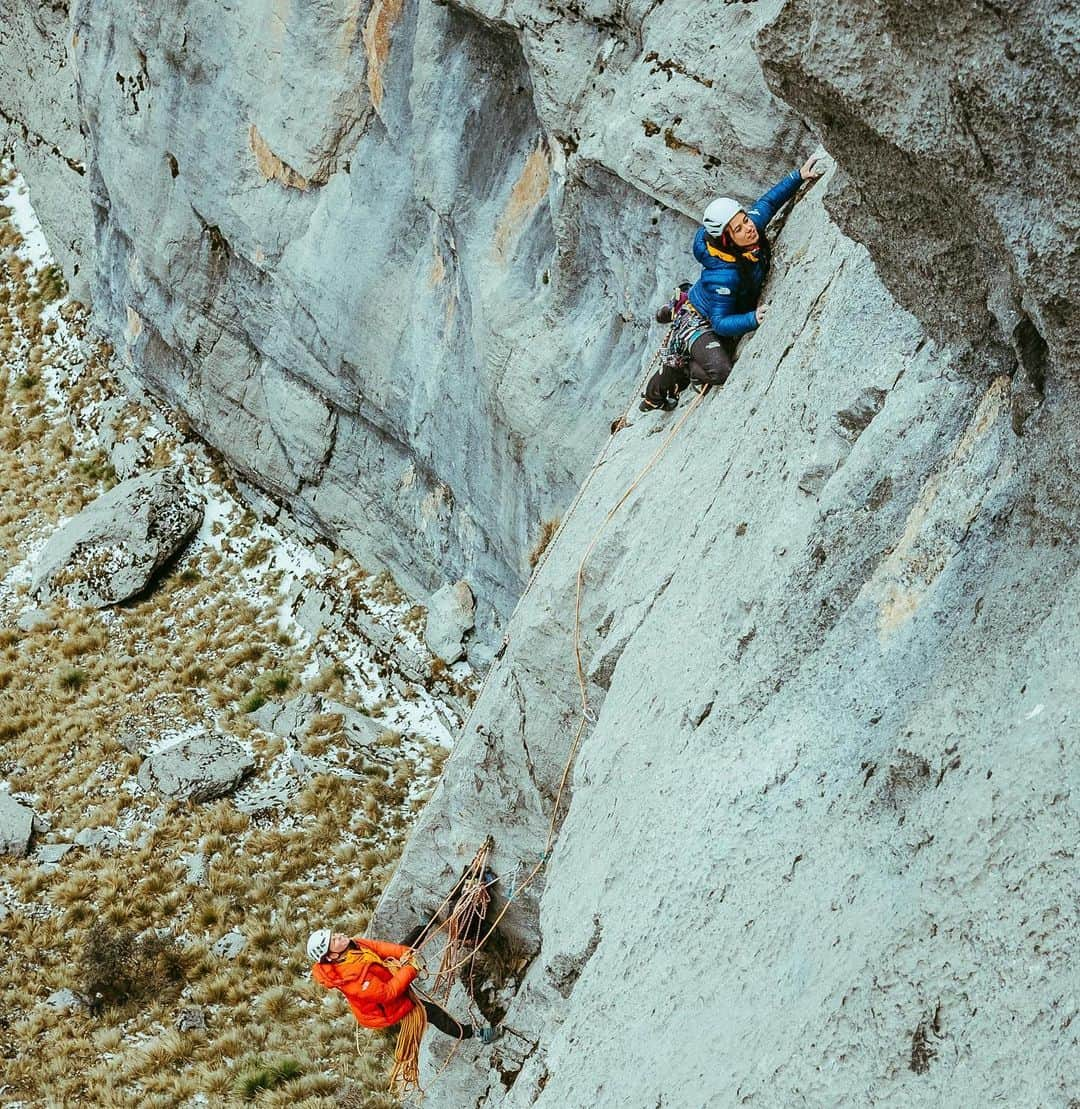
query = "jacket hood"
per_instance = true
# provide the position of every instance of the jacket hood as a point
(706, 258)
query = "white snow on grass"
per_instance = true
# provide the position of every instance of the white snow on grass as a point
(371, 673)
(35, 248)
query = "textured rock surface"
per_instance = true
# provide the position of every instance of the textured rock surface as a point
(197, 769)
(111, 550)
(956, 124)
(394, 261)
(39, 123)
(451, 616)
(819, 845)
(16, 826)
(66, 1001)
(410, 324)
(293, 718)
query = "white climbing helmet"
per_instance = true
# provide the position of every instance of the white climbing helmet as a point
(719, 214)
(318, 944)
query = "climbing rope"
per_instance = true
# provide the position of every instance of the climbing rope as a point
(582, 684)
(617, 425)
(405, 1074)
(466, 920)
(448, 969)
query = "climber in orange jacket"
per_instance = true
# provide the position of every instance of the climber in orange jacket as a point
(375, 977)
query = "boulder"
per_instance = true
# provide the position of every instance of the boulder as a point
(66, 1000)
(96, 837)
(200, 768)
(451, 615)
(16, 826)
(293, 718)
(359, 729)
(49, 854)
(230, 945)
(111, 550)
(282, 718)
(33, 619)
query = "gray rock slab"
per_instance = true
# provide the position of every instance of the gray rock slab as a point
(793, 759)
(229, 945)
(982, 169)
(33, 620)
(451, 616)
(111, 550)
(66, 1001)
(290, 717)
(198, 769)
(50, 853)
(40, 126)
(16, 826)
(359, 729)
(97, 837)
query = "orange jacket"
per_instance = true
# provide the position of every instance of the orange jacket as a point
(377, 995)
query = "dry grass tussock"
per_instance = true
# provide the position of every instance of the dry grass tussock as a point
(127, 922)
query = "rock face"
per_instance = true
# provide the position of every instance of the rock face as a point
(951, 120)
(410, 324)
(40, 125)
(398, 262)
(198, 769)
(112, 549)
(16, 826)
(813, 850)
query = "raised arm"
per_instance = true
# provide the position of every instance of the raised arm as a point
(768, 205)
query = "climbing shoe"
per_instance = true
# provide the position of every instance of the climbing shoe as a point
(666, 405)
(489, 1033)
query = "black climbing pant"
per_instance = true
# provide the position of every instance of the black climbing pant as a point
(708, 360)
(444, 1022)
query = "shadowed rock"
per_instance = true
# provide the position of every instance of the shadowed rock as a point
(451, 616)
(111, 550)
(198, 769)
(16, 826)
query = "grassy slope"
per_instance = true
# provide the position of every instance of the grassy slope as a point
(203, 646)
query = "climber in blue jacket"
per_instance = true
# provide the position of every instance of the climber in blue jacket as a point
(734, 254)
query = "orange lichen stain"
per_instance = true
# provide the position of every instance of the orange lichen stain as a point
(437, 273)
(134, 325)
(271, 166)
(381, 19)
(906, 575)
(525, 197)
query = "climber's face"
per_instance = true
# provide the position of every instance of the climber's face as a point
(742, 230)
(338, 945)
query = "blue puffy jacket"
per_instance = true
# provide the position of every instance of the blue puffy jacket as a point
(725, 295)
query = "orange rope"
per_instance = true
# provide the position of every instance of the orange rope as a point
(405, 1075)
